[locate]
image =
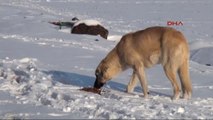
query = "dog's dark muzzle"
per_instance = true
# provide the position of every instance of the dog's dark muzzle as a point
(98, 84)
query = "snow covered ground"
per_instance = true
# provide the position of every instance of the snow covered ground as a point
(42, 67)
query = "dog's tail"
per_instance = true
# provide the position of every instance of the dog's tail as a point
(183, 73)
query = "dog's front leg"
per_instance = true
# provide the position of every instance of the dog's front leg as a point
(139, 68)
(132, 82)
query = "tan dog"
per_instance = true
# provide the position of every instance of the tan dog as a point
(143, 49)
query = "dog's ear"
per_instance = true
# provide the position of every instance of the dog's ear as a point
(98, 73)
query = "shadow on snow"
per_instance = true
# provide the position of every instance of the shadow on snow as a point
(88, 81)
(80, 80)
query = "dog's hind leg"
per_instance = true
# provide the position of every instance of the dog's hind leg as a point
(183, 73)
(132, 82)
(171, 74)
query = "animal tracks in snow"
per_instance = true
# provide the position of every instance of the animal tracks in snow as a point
(54, 42)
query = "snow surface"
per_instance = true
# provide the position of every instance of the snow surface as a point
(42, 67)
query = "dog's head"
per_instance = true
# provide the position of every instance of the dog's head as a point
(109, 67)
(102, 75)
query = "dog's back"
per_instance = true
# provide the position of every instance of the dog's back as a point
(153, 45)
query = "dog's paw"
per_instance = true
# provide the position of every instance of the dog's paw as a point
(187, 96)
(176, 96)
(129, 89)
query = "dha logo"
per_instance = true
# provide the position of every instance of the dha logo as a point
(174, 23)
